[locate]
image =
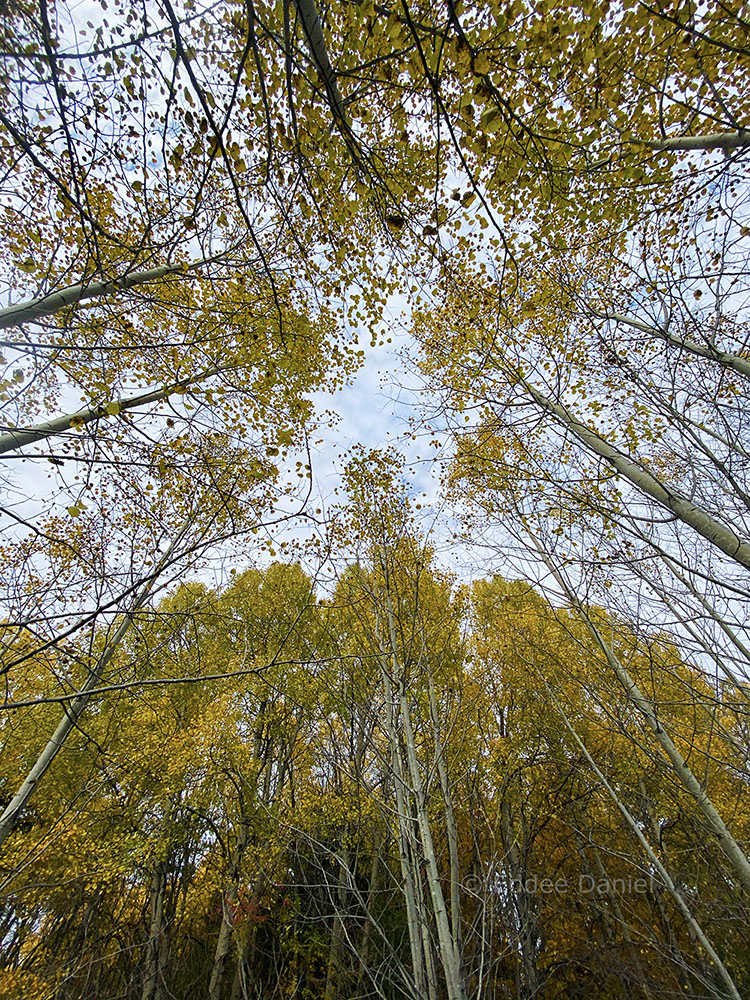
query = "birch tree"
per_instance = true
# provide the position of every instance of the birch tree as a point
(161, 339)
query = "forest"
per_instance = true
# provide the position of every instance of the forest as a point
(261, 738)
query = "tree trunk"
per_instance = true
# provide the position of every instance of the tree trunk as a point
(363, 954)
(338, 946)
(155, 962)
(705, 524)
(522, 901)
(406, 844)
(450, 819)
(75, 709)
(716, 824)
(696, 931)
(240, 986)
(228, 904)
(447, 946)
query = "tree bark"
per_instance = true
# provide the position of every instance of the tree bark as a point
(740, 365)
(18, 437)
(156, 954)
(700, 520)
(450, 818)
(725, 141)
(74, 711)
(405, 838)
(228, 903)
(47, 305)
(680, 766)
(337, 947)
(448, 948)
(696, 931)
(525, 912)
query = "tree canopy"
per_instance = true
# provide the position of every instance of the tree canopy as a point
(344, 772)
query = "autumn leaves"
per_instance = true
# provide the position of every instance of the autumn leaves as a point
(204, 212)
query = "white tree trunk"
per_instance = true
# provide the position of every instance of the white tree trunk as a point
(47, 305)
(688, 143)
(680, 766)
(74, 711)
(228, 902)
(740, 365)
(449, 954)
(407, 850)
(696, 931)
(155, 961)
(18, 437)
(704, 523)
(450, 819)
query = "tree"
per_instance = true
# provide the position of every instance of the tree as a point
(205, 209)
(537, 660)
(192, 327)
(277, 820)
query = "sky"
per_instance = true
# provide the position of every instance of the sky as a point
(385, 406)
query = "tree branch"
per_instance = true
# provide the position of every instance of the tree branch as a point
(19, 437)
(740, 365)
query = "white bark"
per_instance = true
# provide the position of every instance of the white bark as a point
(700, 520)
(528, 928)
(76, 708)
(450, 819)
(310, 18)
(19, 436)
(449, 953)
(155, 960)
(428, 944)
(46, 305)
(406, 847)
(681, 768)
(228, 902)
(696, 930)
(689, 143)
(734, 361)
